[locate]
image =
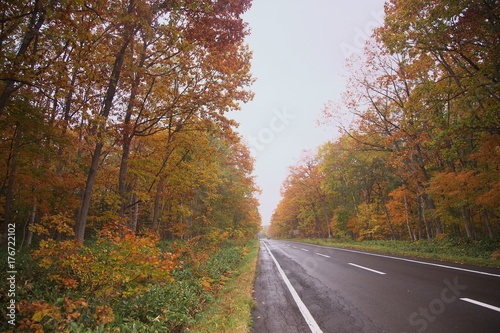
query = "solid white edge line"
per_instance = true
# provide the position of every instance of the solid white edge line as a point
(492, 307)
(302, 307)
(323, 255)
(368, 269)
(407, 260)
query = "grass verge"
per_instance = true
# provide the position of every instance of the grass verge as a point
(458, 250)
(133, 284)
(231, 310)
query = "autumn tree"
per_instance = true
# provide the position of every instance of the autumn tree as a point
(462, 40)
(91, 90)
(420, 157)
(304, 205)
(204, 184)
(424, 95)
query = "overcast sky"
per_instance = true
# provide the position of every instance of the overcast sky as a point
(299, 51)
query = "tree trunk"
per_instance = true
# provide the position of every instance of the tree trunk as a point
(129, 133)
(83, 212)
(9, 196)
(327, 218)
(134, 214)
(424, 218)
(11, 177)
(437, 221)
(486, 219)
(156, 209)
(410, 232)
(122, 185)
(29, 236)
(466, 215)
(81, 220)
(387, 217)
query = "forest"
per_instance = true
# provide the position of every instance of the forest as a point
(420, 158)
(126, 193)
(114, 111)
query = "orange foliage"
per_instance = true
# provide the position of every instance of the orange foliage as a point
(119, 264)
(38, 312)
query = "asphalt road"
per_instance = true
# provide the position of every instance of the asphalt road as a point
(343, 290)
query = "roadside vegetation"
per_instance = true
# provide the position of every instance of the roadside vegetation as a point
(420, 158)
(121, 282)
(127, 195)
(484, 252)
(231, 310)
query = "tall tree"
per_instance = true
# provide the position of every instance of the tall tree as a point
(90, 90)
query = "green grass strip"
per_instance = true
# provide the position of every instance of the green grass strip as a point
(474, 252)
(231, 311)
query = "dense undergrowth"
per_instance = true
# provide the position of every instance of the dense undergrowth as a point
(120, 282)
(231, 311)
(482, 252)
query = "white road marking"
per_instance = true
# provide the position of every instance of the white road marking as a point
(489, 306)
(305, 250)
(408, 260)
(323, 255)
(368, 269)
(302, 307)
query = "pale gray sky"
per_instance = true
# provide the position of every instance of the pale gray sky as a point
(299, 51)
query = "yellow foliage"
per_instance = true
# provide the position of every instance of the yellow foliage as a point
(245, 251)
(441, 236)
(60, 222)
(206, 283)
(104, 314)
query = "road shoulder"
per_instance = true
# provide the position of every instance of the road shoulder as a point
(275, 309)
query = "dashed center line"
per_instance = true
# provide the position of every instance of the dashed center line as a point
(323, 255)
(305, 250)
(489, 306)
(368, 269)
(407, 260)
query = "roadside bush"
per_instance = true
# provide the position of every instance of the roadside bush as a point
(118, 263)
(121, 282)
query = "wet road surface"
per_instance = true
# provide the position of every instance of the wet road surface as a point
(357, 291)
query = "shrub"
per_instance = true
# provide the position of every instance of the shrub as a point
(121, 282)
